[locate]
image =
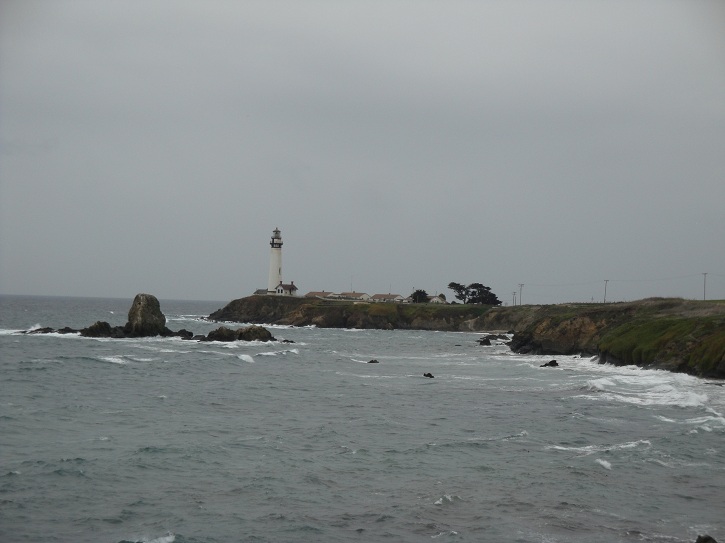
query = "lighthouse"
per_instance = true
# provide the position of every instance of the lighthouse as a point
(275, 262)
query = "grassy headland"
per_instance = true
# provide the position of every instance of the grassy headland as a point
(668, 333)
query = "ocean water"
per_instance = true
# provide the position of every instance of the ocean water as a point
(165, 440)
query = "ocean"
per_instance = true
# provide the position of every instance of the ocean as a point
(164, 440)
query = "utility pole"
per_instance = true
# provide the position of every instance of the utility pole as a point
(704, 285)
(514, 293)
(605, 290)
(521, 286)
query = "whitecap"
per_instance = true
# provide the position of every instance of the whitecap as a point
(591, 449)
(280, 353)
(114, 360)
(168, 538)
(246, 358)
(446, 499)
(603, 463)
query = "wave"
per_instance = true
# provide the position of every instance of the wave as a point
(114, 360)
(603, 463)
(447, 499)
(168, 538)
(655, 390)
(592, 449)
(280, 353)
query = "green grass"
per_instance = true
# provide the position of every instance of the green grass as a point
(643, 342)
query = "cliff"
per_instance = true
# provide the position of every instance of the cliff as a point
(673, 334)
(666, 333)
(339, 314)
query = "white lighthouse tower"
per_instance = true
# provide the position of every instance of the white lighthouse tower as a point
(275, 262)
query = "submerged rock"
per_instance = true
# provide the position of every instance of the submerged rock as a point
(550, 364)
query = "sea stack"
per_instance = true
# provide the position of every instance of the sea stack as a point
(145, 317)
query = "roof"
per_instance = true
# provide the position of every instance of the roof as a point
(317, 294)
(352, 294)
(291, 286)
(385, 296)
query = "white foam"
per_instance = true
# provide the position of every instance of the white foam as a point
(447, 498)
(246, 358)
(168, 538)
(114, 360)
(603, 463)
(591, 449)
(280, 353)
(653, 388)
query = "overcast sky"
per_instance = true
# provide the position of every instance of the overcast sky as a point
(153, 146)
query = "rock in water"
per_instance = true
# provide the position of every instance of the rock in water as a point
(99, 329)
(222, 334)
(254, 333)
(250, 333)
(145, 317)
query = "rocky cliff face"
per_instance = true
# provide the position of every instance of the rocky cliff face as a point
(672, 334)
(306, 312)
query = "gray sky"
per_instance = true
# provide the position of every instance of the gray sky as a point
(153, 146)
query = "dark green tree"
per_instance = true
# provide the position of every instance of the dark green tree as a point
(461, 291)
(420, 296)
(475, 293)
(480, 294)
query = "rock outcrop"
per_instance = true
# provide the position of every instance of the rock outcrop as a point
(145, 317)
(250, 333)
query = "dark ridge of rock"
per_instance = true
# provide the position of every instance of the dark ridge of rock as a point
(100, 329)
(373, 361)
(250, 333)
(45, 330)
(255, 333)
(221, 334)
(429, 375)
(550, 364)
(183, 334)
(705, 539)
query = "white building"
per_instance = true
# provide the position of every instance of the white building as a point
(275, 262)
(275, 287)
(387, 298)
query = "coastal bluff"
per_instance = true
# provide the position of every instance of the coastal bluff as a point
(667, 333)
